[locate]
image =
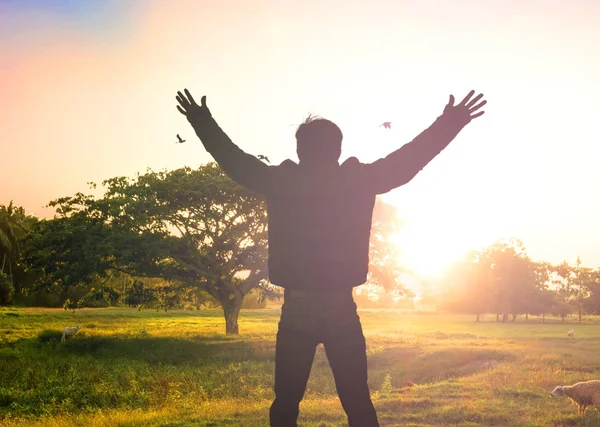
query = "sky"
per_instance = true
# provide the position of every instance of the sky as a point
(88, 93)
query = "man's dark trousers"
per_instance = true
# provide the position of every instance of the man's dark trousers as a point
(308, 319)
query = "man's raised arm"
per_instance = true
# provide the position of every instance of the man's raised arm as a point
(243, 168)
(402, 165)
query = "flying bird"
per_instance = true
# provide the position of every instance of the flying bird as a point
(387, 125)
(265, 158)
(180, 140)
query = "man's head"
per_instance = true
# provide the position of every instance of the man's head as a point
(318, 142)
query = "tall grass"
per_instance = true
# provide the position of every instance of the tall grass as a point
(130, 368)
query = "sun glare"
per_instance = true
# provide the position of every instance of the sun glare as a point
(429, 249)
(424, 260)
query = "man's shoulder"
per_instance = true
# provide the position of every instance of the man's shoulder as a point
(351, 161)
(352, 164)
(288, 164)
(285, 170)
(286, 167)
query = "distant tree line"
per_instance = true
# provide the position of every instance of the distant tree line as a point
(502, 280)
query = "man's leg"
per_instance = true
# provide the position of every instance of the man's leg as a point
(294, 355)
(346, 350)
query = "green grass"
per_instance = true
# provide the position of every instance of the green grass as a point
(176, 369)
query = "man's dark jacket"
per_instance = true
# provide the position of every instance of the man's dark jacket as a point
(320, 222)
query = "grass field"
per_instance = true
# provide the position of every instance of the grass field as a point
(176, 369)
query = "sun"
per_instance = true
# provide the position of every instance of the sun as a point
(424, 255)
(428, 248)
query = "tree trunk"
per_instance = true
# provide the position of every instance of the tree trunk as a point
(497, 317)
(563, 318)
(543, 318)
(231, 310)
(504, 317)
(3, 261)
(526, 316)
(514, 317)
(478, 318)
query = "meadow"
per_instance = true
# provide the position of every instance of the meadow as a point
(178, 369)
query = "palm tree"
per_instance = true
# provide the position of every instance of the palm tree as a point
(12, 229)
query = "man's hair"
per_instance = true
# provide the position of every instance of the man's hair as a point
(317, 130)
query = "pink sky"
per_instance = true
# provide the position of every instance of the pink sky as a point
(89, 95)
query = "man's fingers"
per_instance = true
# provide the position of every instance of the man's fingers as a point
(182, 100)
(466, 99)
(181, 110)
(476, 107)
(187, 100)
(474, 101)
(474, 116)
(189, 95)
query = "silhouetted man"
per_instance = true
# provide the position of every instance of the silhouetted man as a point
(319, 226)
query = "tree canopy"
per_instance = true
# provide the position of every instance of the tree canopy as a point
(195, 227)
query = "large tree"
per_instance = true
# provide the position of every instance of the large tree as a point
(12, 230)
(468, 287)
(500, 279)
(541, 298)
(196, 227)
(15, 224)
(593, 302)
(513, 277)
(575, 285)
(385, 269)
(384, 255)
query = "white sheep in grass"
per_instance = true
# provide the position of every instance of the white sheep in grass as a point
(583, 394)
(571, 332)
(67, 332)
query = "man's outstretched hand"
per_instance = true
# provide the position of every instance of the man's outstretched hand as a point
(467, 110)
(188, 107)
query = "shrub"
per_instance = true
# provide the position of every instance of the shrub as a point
(7, 290)
(252, 300)
(95, 298)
